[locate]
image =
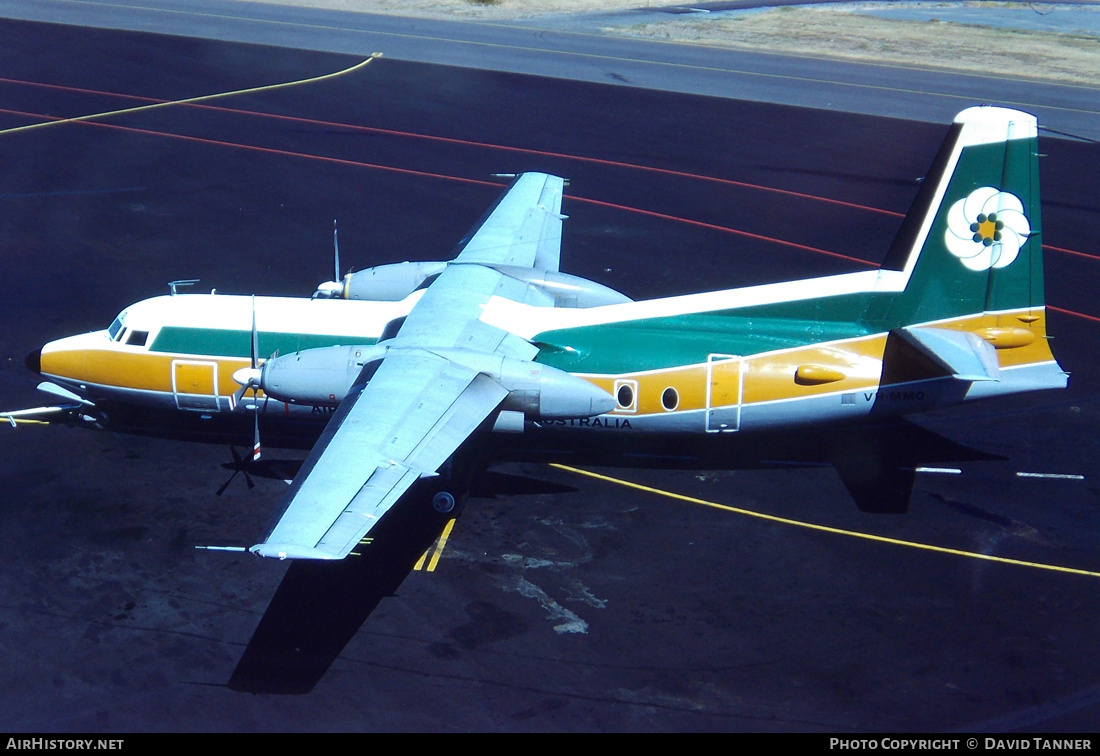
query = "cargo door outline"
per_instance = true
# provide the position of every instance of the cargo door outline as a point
(195, 385)
(725, 386)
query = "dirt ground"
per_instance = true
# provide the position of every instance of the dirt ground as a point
(828, 30)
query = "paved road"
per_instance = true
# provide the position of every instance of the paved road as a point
(533, 47)
(560, 602)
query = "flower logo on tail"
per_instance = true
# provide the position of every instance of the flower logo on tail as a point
(986, 229)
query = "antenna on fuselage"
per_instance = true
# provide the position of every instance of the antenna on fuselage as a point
(172, 285)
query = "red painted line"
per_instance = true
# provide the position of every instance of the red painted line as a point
(426, 174)
(471, 143)
(1071, 252)
(1074, 314)
(376, 166)
(561, 155)
(726, 229)
(254, 148)
(81, 90)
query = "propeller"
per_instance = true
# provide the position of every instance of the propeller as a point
(336, 250)
(250, 378)
(238, 465)
(332, 289)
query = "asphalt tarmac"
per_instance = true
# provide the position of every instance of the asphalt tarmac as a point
(559, 602)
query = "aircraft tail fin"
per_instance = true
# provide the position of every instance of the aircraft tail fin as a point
(971, 242)
(970, 258)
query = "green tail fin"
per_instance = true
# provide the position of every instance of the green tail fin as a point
(971, 242)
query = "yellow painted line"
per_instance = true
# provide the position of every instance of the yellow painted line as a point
(438, 546)
(825, 528)
(193, 100)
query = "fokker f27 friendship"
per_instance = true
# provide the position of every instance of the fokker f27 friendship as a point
(408, 364)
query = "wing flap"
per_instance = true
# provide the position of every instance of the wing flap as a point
(415, 412)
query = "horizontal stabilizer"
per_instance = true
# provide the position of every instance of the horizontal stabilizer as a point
(961, 355)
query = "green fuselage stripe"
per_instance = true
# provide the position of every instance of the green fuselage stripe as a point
(231, 343)
(666, 342)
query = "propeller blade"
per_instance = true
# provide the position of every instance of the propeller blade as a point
(249, 377)
(225, 485)
(254, 382)
(255, 335)
(336, 251)
(256, 432)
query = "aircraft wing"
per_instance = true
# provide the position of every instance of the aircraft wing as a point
(416, 410)
(524, 228)
(424, 400)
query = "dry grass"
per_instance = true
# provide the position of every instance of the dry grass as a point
(935, 44)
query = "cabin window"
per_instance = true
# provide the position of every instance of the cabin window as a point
(670, 400)
(626, 395)
(137, 338)
(121, 335)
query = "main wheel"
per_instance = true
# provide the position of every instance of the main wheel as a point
(443, 502)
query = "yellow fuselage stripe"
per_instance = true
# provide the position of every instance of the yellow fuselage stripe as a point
(755, 379)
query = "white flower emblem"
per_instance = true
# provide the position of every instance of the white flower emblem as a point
(987, 229)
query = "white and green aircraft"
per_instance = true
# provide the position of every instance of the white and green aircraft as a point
(405, 364)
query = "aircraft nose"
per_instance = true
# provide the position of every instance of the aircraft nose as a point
(34, 360)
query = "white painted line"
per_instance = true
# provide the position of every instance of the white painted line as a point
(1059, 476)
(939, 470)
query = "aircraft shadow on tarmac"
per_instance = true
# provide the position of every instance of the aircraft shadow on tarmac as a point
(320, 606)
(311, 619)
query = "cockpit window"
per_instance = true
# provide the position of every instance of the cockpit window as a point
(137, 338)
(116, 326)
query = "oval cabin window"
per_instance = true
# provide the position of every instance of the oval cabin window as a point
(670, 400)
(625, 396)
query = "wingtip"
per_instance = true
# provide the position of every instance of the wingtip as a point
(282, 551)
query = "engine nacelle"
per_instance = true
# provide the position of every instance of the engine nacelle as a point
(382, 283)
(540, 392)
(321, 376)
(566, 290)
